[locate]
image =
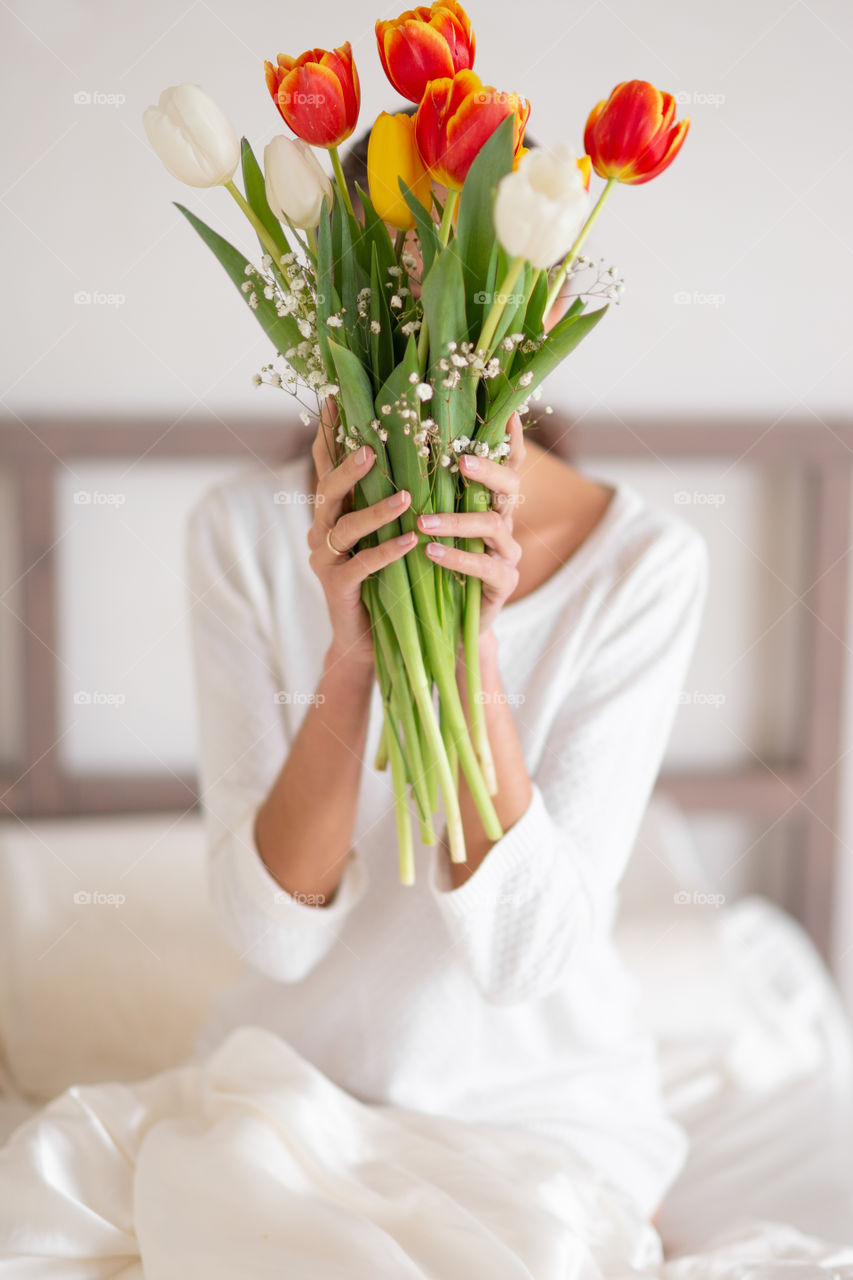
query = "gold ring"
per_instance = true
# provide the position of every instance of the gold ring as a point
(334, 550)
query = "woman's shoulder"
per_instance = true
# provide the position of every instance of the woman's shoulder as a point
(253, 497)
(608, 530)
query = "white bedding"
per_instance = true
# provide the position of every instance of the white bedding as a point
(251, 1163)
(756, 1059)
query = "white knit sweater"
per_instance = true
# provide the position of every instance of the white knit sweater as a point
(502, 1001)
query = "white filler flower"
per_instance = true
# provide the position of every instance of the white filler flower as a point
(541, 206)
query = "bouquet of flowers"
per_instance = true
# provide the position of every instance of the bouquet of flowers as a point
(487, 232)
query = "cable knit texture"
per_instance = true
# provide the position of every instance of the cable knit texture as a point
(501, 1001)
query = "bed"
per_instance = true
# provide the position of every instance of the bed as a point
(756, 1049)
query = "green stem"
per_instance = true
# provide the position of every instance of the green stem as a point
(474, 679)
(312, 240)
(404, 710)
(447, 216)
(341, 180)
(264, 236)
(497, 308)
(442, 665)
(572, 254)
(401, 810)
(394, 592)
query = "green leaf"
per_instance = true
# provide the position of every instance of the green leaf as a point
(409, 471)
(444, 310)
(560, 342)
(381, 343)
(426, 228)
(374, 235)
(282, 331)
(253, 180)
(356, 396)
(475, 229)
(327, 299)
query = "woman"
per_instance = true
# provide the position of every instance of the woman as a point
(490, 991)
(444, 1079)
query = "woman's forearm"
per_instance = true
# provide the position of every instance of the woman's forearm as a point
(514, 788)
(303, 829)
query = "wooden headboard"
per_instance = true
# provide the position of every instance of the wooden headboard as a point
(803, 790)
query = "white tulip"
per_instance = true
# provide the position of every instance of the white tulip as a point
(541, 206)
(296, 183)
(192, 136)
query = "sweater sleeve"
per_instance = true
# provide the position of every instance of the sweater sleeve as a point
(242, 745)
(547, 888)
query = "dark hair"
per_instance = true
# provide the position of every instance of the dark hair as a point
(354, 163)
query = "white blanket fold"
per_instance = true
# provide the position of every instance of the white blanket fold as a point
(252, 1164)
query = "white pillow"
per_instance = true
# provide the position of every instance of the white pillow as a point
(114, 987)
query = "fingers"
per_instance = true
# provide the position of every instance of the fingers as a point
(517, 447)
(332, 487)
(488, 525)
(493, 571)
(355, 525)
(323, 448)
(356, 568)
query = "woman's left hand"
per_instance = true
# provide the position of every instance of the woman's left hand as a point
(497, 565)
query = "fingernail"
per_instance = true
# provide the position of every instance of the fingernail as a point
(364, 453)
(429, 522)
(437, 549)
(470, 461)
(399, 499)
(406, 537)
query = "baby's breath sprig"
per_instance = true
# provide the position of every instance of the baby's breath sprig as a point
(608, 283)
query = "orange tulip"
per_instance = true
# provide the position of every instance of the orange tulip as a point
(425, 44)
(317, 94)
(632, 136)
(456, 117)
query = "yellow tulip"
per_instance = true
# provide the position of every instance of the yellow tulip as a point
(392, 154)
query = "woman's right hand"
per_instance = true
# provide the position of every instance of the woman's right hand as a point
(341, 575)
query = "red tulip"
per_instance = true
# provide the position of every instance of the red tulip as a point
(425, 44)
(632, 136)
(317, 94)
(456, 117)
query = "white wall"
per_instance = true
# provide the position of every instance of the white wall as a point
(751, 225)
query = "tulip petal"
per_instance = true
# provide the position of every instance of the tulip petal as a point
(452, 23)
(627, 125)
(674, 143)
(414, 55)
(588, 133)
(310, 100)
(340, 62)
